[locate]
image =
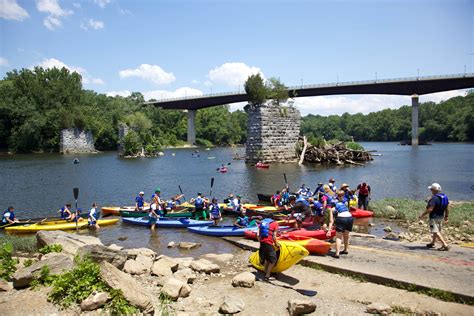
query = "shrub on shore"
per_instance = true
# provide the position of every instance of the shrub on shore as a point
(20, 243)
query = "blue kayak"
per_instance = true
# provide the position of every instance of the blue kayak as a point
(220, 231)
(165, 222)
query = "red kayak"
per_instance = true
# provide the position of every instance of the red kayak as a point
(358, 213)
(299, 234)
(223, 170)
(262, 165)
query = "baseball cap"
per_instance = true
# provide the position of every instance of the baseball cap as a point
(435, 186)
(157, 190)
(199, 193)
(141, 192)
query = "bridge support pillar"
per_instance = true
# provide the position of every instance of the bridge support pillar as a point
(414, 119)
(191, 127)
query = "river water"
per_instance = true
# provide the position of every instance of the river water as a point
(37, 185)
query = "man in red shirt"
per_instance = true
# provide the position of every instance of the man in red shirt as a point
(267, 236)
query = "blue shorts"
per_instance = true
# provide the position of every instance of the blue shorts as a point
(92, 223)
(152, 220)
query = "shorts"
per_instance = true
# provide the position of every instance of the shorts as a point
(267, 253)
(436, 224)
(344, 224)
(92, 223)
(152, 220)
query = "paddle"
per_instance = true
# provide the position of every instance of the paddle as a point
(286, 181)
(180, 190)
(75, 191)
(301, 291)
(212, 184)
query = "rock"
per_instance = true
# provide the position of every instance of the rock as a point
(223, 257)
(171, 244)
(94, 301)
(115, 247)
(5, 286)
(173, 287)
(122, 238)
(391, 236)
(203, 265)
(184, 262)
(164, 266)
(244, 279)
(379, 308)
(70, 242)
(231, 305)
(186, 275)
(388, 229)
(187, 245)
(371, 224)
(185, 291)
(389, 209)
(133, 253)
(299, 307)
(421, 223)
(132, 291)
(99, 253)
(56, 263)
(142, 264)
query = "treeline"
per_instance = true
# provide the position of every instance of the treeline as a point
(35, 105)
(451, 120)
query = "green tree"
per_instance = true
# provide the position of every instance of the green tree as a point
(256, 90)
(276, 91)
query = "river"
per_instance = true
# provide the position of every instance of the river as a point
(37, 185)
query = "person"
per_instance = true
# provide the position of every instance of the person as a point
(156, 203)
(318, 212)
(267, 237)
(242, 220)
(327, 198)
(332, 185)
(153, 215)
(319, 190)
(300, 209)
(215, 211)
(93, 216)
(285, 196)
(348, 195)
(199, 204)
(363, 196)
(308, 193)
(177, 199)
(236, 204)
(301, 190)
(139, 201)
(276, 199)
(9, 216)
(66, 212)
(343, 224)
(438, 210)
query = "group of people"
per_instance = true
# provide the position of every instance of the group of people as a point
(67, 214)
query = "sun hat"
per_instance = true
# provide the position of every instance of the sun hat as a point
(344, 185)
(435, 186)
(157, 190)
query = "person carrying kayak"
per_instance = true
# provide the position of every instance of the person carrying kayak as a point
(66, 213)
(438, 210)
(93, 216)
(364, 196)
(9, 216)
(267, 237)
(318, 212)
(139, 201)
(342, 220)
(215, 212)
(299, 209)
(199, 205)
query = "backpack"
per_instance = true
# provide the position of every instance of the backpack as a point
(264, 228)
(199, 202)
(444, 200)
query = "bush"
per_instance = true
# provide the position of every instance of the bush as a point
(7, 264)
(354, 146)
(19, 243)
(51, 248)
(132, 143)
(203, 142)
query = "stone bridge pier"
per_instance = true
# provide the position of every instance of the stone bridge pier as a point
(192, 127)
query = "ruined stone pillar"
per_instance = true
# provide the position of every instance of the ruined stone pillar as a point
(191, 127)
(414, 119)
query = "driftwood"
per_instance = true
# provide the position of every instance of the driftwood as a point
(336, 153)
(305, 144)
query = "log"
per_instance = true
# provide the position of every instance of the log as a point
(305, 142)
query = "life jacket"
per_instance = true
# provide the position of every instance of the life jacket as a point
(364, 190)
(303, 200)
(341, 207)
(332, 187)
(64, 215)
(330, 202)
(243, 221)
(6, 215)
(215, 209)
(170, 205)
(264, 228)
(317, 205)
(93, 213)
(199, 202)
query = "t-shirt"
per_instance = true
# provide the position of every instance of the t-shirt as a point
(269, 239)
(438, 208)
(93, 214)
(140, 201)
(236, 205)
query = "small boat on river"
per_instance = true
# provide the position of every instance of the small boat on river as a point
(166, 222)
(57, 225)
(220, 231)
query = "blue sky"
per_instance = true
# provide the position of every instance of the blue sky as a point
(177, 48)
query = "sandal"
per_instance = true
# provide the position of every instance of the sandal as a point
(344, 252)
(444, 248)
(429, 245)
(336, 256)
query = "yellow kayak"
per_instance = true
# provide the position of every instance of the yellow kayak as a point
(57, 225)
(290, 254)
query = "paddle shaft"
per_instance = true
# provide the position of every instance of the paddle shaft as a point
(212, 184)
(76, 195)
(301, 291)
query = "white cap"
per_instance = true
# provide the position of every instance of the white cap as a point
(141, 192)
(435, 186)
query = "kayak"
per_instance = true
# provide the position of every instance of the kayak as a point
(262, 165)
(220, 231)
(318, 234)
(358, 213)
(289, 254)
(172, 214)
(166, 223)
(264, 197)
(57, 225)
(223, 170)
(314, 246)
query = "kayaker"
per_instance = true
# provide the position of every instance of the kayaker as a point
(156, 202)
(139, 201)
(319, 190)
(236, 204)
(285, 195)
(348, 195)
(318, 212)
(302, 189)
(327, 198)
(343, 224)
(199, 204)
(9, 216)
(364, 196)
(66, 212)
(153, 217)
(332, 185)
(93, 216)
(267, 237)
(299, 209)
(215, 211)
(308, 192)
(438, 210)
(242, 220)
(276, 199)
(177, 199)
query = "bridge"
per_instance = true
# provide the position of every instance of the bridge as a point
(413, 87)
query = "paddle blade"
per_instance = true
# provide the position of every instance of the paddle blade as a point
(286, 181)
(306, 292)
(180, 190)
(75, 191)
(212, 181)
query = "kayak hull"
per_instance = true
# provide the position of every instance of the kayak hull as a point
(358, 213)
(144, 214)
(317, 234)
(165, 222)
(57, 225)
(221, 231)
(288, 255)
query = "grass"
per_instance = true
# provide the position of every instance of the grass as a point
(20, 243)
(164, 305)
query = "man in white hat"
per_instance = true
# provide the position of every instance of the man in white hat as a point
(438, 209)
(139, 201)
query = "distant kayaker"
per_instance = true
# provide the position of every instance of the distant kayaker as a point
(332, 185)
(199, 205)
(343, 224)
(215, 212)
(363, 190)
(139, 201)
(267, 237)
(9, 216)
(66, 213)
(438, 210)
(93, 216)
(242, 220)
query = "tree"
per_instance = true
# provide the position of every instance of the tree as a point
(256, 90)
(276, 91)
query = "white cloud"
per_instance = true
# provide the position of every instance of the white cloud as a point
(232, 74)
(76, 5)
(102, 3)
(54, 11)
(331, 105)
(3, 62)
(86, 77)
(178, 93)
(123, 93)
(92, 24)
(10, 10)
(152, 73)
(194, 81)
(125, 12)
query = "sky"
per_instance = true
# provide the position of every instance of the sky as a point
(178, 48)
